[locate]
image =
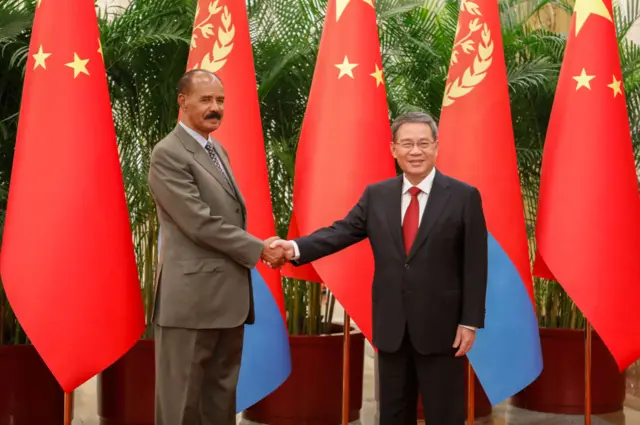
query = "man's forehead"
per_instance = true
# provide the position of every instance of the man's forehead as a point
(415, 131)
(210, 86)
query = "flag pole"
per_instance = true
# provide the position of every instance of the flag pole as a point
(471, 395)
(345, 369)
(587, 374)
(68, 408)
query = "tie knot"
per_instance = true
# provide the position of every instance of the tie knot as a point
(209, 146)
(414, 191)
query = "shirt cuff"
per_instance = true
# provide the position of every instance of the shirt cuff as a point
(468, 327)
(296, 250)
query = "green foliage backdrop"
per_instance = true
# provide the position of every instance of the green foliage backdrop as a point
(145, 49)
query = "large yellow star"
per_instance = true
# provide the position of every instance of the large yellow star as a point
(341, 5)
(583, 79)
(39, 1)
(346, 68)
(584, 8)
(378, 76)
(78, 65)
(616, 86)
(100, 49)
(40, 57)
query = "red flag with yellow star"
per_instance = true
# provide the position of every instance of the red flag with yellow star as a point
(343, 147)
(68, 264)
(588, 232)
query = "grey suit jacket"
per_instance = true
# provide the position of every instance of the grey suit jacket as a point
(203, 279)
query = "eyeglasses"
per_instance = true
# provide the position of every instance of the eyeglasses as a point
(423, 146)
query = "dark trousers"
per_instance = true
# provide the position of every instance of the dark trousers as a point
(438, 377)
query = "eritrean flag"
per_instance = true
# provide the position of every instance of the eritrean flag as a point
(221, 44)
(477, 146)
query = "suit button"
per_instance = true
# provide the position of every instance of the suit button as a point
(406, 266)
(238, 210)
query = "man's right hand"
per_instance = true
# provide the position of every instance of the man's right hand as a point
(273, 255)
(287, 246)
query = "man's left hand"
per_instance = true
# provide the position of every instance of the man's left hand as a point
(464, 340)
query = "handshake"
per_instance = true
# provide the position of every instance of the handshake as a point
(276, 252)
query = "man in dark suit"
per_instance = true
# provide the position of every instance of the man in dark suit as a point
(429, 241)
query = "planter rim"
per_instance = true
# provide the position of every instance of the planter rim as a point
(11, 347)
(566, 333)
(354, 332)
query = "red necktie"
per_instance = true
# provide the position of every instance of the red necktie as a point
(411, 219)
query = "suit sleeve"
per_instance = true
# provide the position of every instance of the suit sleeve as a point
(176, 192)
(341, 234)
(475, 262)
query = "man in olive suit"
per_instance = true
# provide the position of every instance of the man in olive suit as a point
(203, 286)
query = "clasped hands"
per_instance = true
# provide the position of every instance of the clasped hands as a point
(276, 252)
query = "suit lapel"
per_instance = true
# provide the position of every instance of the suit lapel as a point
(394, 212)
(435, 205)
(201, 156)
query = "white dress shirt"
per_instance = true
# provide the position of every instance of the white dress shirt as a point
(425, 186)
(201, 140)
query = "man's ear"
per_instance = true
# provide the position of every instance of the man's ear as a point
(182, 101)
(393, 150)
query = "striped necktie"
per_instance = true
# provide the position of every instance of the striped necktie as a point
(216, 161)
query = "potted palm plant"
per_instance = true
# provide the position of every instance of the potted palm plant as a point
(315, 340)
(418, 43)
(29, 392)
(145, 47)
(560, 387)
(285, 42)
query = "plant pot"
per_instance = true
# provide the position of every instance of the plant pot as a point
(126, 389)
(482, 405)
(312, 395)
(29, 393)
(560, 386)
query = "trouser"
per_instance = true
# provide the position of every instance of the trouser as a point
(196, 375)
(438, 377)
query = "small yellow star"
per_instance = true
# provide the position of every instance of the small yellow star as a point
(378, 76)
(39, 1)
(346, 68)
(78, 65)
(615, 85)
(341, 5)
(585, 8)
(40, 57)
(100, 49)
(583, 79)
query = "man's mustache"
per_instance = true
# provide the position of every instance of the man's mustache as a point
(215, 115)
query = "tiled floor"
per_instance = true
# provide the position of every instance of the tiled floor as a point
(504, 414)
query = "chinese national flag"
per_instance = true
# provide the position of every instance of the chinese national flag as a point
(343, 147)
(68, 264)
(588, 232)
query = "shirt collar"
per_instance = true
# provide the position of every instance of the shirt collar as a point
(425, 185)
(201, 140)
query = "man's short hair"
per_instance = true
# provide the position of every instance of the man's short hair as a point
(184, 84)
(414, 117)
